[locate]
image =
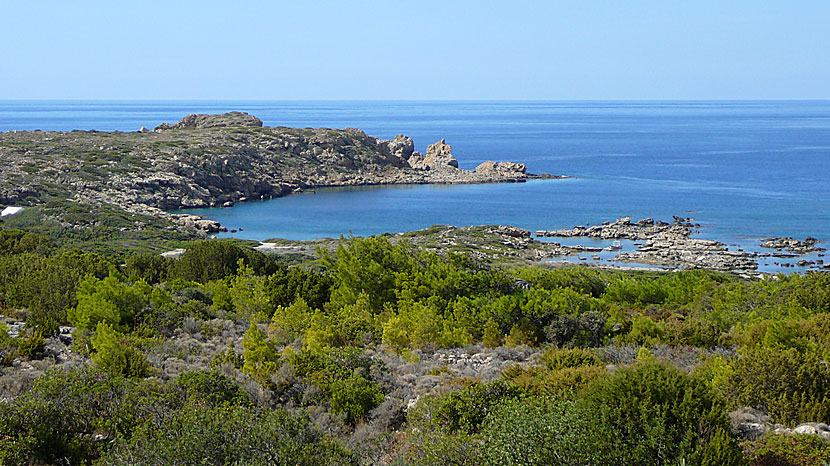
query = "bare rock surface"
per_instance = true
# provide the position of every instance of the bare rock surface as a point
(665, 244)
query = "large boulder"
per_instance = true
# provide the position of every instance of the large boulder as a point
(398, 150)
(220, 120)
(439, 155)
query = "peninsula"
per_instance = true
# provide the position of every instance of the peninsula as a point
(214, 160)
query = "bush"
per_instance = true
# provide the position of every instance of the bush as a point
(116, 356)
(539, 432)
(657, 415)
(55, 422)
(789, 450)
(204, 261)
(206, 436)
(354, 397)
(462, 411)
(791, 386)
(151, 268)
(31, 344)
(555, 359)
(210, 387)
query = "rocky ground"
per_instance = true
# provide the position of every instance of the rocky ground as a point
(216, 160)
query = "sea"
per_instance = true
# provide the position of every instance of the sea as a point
(743, 170)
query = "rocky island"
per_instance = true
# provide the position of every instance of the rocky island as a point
(216, 160)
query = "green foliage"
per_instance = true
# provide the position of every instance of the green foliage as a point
(540, 432)
(555, 359)
(46, 285)
(18, 241)
(644, 331)
(656, 414)
(260, 354)
(789, 450)
(150, 268)
(211, 387)
(287, 284)
(354, 397)
(204, 261)
(563, 383)
(30, 344)
(110, 301)
(789, 385)
(492, 335)
(55, 422)
(115, 355)
(462, 411)
(204, 436)
(580, 279)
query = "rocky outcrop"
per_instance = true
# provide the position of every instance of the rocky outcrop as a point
(809, 245)
(665, 244)
(397, 150)
(222, 120)
(439, 155)
(500, 168)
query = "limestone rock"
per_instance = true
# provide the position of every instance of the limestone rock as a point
(397, 150)
(501, 168)
(440, 154)
(220, 120)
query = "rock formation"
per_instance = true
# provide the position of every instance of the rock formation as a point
(222, 120)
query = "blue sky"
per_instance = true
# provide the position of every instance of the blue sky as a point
(415, 49)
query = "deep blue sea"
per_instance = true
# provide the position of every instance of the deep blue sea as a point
(744, 170)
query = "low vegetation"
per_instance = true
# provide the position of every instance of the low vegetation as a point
(381, 353)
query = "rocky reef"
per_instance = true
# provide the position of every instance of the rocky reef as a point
(664, 244)
(217, 160)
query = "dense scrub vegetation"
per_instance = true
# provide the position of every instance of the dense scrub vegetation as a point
(225, 356)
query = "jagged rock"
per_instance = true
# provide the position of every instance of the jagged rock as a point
(440, 155)
(199, 121)
(416, 160)
(398, 150)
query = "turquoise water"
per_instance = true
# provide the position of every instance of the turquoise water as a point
(744, 170)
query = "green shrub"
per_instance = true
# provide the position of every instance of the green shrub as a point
(789, 385)
(211, 387)
(30, 344)
(151, 268)
(204, 261)
(559, 384)
(218, 436)
(461, 411)
(656, 414)
(260, 355)
(354, 397)
(555, 359)
(789, 450)
(115, 355)
(17, 241)
(110, 301)
(540, 432)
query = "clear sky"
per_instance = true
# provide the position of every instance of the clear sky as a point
(420, 49)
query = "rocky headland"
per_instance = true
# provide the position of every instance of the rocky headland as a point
(217, 160)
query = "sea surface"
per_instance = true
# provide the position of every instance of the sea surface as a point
(743, 170)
